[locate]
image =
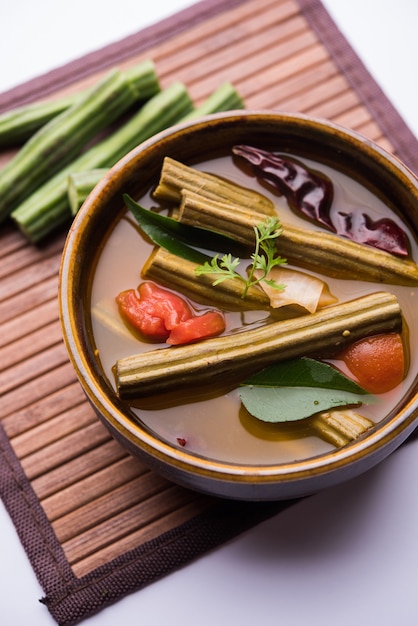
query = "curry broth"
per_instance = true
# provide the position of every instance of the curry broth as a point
(216, 425)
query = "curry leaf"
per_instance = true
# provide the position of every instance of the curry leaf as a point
(296, 389)
(304, 372)
(289, 404)
(179, 239)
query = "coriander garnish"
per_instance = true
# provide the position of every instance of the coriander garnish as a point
(264, 258)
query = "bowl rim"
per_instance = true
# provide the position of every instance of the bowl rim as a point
(375, 444)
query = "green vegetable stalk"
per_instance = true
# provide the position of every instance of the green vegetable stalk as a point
(19, 124)
(177, 178)
(340, 427)
(80, 184)
(47, 208)
(57, 143)
(175, 272)
(224, 98)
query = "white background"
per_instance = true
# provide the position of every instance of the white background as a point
(347, 556)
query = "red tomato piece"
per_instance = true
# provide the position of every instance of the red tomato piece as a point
(165, 304)
(153, 311)
(135, 313)
(196, 328)
(161, 315)
(377, 362)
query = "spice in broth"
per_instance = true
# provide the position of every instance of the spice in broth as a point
(215, 424)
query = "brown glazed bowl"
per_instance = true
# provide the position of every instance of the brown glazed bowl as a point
(136, 173)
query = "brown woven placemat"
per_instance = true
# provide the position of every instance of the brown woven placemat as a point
(97, 524)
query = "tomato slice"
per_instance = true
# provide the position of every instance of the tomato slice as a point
(196, 328)
(152, 311)
(161, 315)
(377, 362)
(164, 304)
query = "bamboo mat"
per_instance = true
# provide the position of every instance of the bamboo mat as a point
(97, 524)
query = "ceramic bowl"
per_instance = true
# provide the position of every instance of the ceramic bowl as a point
(135, 174)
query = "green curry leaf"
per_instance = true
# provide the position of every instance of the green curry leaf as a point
(179, 239)
(296, 389)
(289, 404)
(304, 372)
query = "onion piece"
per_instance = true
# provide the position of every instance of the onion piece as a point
(300, 289)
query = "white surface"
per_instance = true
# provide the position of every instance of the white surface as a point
(347, 556)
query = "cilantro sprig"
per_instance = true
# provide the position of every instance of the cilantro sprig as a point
(264, 258)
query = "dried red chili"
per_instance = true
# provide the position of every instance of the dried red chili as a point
(307, 191)
(311, 193)
(383, 233)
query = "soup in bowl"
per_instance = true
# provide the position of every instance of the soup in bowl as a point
(238, 299)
